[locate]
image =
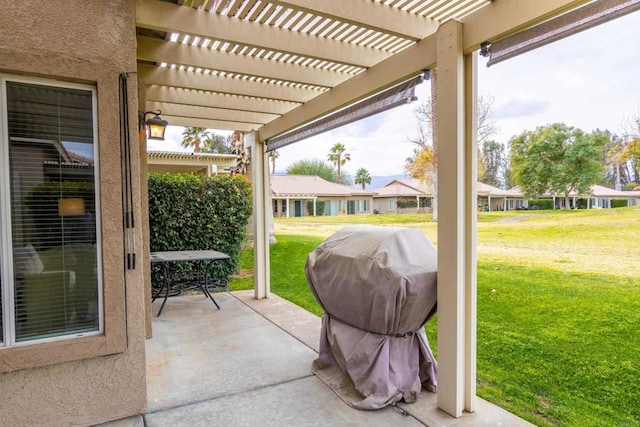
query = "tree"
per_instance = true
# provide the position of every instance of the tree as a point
(243, 161)
(216, 143)
(363, 177)
(338, 157)
(203, 140)
(426, 116)
(493, 161)
(273, 155)
(421, 165)
(631, 151)
(557, 159)
(614, 160)
(193, 136)
(313, 167)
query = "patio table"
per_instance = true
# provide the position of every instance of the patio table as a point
(203, 260)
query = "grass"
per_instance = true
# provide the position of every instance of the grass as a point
(558, 307)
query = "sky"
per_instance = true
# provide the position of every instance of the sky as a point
(590, 80)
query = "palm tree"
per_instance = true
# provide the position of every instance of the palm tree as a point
(193, 137)
(273, 155)
(215, 143)
(338, 157)
(362, 177)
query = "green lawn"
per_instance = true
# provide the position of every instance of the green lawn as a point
(558, 307)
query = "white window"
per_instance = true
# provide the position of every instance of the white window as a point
(366, 205)
(392, 205)
(50, 271)
(360, 205)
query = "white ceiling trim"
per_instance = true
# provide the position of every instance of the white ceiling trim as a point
(194, 80)
(373, 15)
(177, 95)
(156, 50)
(162, 16)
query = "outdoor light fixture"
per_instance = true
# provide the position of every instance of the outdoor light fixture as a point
(154, 126)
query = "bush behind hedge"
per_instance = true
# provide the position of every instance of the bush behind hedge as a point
(542, 204)
(619, 203)
(197, 212)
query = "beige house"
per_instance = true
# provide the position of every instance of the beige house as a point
(299, 195)
(74, 314)
(184, 162)
(492, 198)
(599, 197)
(411, 196)
(403, 196)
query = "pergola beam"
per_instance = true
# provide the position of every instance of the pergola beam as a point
(197, 112)
(178, 95)
(372, 15)
(208, 123)
(401, 66)
(490, 22)
(162, 16)
(156, 50)
(193, 80)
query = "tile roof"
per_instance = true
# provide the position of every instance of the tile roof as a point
(311, 186)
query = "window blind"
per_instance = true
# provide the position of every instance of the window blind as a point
(53, 210)
(596, 13)
(385, 100)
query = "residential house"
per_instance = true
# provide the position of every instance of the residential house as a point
(84, 73)
(492, 198)
(599, 197)
(300, 195)
(411, 196)
(403, 196)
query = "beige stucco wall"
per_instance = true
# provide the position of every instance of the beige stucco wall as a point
(381, 204)
(89, 42)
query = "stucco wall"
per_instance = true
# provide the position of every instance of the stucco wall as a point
(92, 42)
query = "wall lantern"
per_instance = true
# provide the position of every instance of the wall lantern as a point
(154, 126)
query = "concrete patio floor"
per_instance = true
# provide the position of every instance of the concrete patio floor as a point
(250, 364)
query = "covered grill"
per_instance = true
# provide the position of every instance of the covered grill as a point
(377, 286)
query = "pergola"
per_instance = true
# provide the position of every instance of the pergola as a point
(267, 67)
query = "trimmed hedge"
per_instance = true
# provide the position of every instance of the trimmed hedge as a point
(619, 203)
(542, 204)
(197, 212)
(407, 204)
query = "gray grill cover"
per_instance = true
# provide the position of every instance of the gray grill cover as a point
(374, 284)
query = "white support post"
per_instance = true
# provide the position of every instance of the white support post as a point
(471, 228)
(456, 222)
(288, 210)
(315, 199)
(261, 200)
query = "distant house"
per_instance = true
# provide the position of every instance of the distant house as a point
(187, 162)
(403, 196)
(600, 197)
(492, 198)
(299, 195)
(411, 196)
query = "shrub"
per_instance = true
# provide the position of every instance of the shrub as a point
(319, 207)
(407, 204)
(542, 204)
(619, 203)
(196, 212)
